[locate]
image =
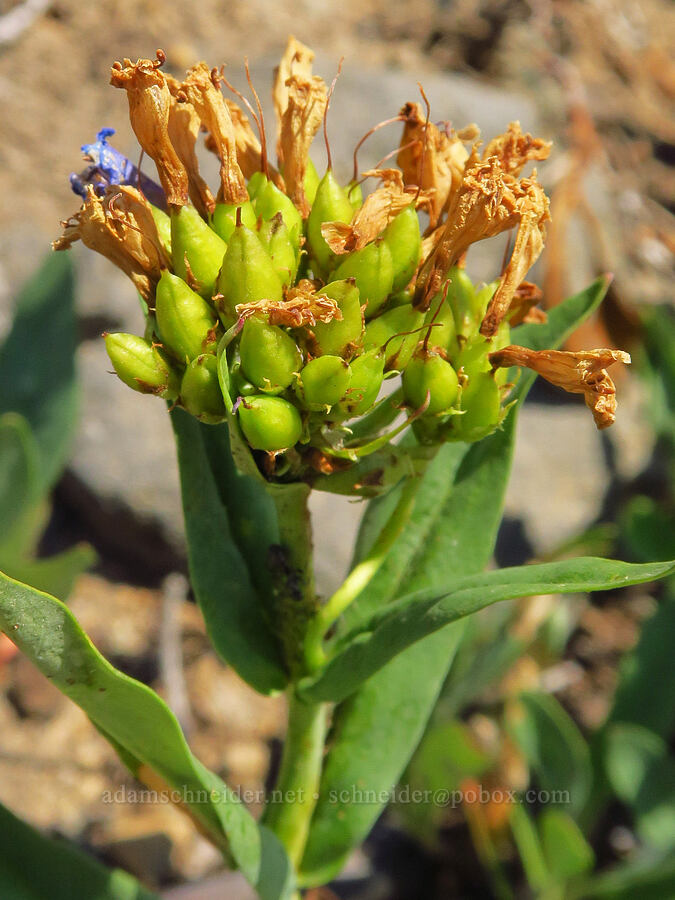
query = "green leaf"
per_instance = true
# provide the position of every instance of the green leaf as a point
(377, 729)
(54, 574)
(378, 640)
(567, 852)
(33, 867)
(554, 747)
(37, 364)
(250, 509)
(447, 754)
(646, 693)
(647, 879)
(529, 847)
(19, 463)
(138, 721)
(642, 774)
(236, 618)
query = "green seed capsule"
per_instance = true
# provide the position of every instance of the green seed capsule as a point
(340, 337)
(270, 358)
(403, 298)
(274, 236)
(429, 374)
(473, 356)
(200, 391)
(331, 204)
(224, 219)
(270, 423)
(163, 225)
(270, 200)
(443, 333)
(185, 320)
(247, 275)
(141, 366)
(366, 381)
(381, 330)
(481, 403)
(255, 182)
(311, 182)
(241, 386)
(323, 382)
(373, 270)
(192, 239)
(461, 297)
(402, 236)
(482, 298)
(355, 194)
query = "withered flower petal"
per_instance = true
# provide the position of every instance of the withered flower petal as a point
(533, 208)
(120, 227)
(297, 60)
(149, 109)
(301, 306)
(307, 98)
(487, 203)
(515, 149)
(432, 159)
(524, 304)
(370, 220)
(208, 100)
(184, 127)
(583, 372)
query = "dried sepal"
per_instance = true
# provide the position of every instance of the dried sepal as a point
(202, 91)
(583, 372)
(120, 227)
(149, 110)
(377, 211)
(432, 159)
(515, 149)
(529, 243)
(302, 305)
(307, 99)
(184, 127)
(297, 60)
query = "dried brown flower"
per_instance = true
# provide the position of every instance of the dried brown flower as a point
(184, 127)
(303, 305)
(584, 373)
(370, 220)
(515, 149)
(149, 109)
(120, 227)
(201, 91)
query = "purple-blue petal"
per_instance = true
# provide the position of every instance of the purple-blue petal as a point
(109, 167)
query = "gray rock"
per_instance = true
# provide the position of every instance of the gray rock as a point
(559, 478)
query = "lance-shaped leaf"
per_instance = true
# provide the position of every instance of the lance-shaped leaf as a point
(412, 619)
(142, 727)
(40, 384)
(236, 617)
(33, 866)
(377, 729)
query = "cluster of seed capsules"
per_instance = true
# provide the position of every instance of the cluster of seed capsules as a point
(282, 304)
(293, 384)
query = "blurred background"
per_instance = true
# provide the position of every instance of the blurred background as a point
(584, 675)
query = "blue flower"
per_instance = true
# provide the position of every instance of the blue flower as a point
(109, 166)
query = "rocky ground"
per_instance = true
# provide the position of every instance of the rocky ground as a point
(593, 76)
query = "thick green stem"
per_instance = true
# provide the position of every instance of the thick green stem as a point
(292, 803)
(358, 578)
(295, 598)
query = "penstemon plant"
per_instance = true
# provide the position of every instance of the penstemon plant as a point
(274, 311)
